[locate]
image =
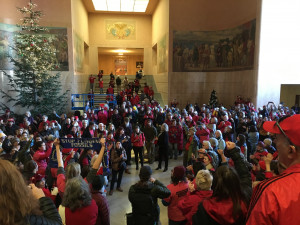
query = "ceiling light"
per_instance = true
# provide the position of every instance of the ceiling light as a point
(113, 5)
(127, 6)
(140, 5)
(120, 51)
(121, 5)
(100, 5)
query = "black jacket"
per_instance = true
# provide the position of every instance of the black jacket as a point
(144, 201)
(50, 214)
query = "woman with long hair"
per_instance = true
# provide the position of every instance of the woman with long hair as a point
(231, 192)
(77, 206)
(118, 159)
(21, 204)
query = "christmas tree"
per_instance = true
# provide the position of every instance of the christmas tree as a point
(213, 101)
(32, 85)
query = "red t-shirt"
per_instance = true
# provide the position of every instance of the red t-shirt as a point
(92, 80)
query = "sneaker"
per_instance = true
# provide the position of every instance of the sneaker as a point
(158, 168)
(111, 192)
(165, 170)
(119, 189)
(127, 171)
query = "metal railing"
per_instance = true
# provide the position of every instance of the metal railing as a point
(78, 101)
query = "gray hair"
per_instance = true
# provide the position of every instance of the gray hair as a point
(165, 127)
(77, 194)
(203, 180)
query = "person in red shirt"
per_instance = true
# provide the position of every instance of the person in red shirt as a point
(198, 191)
(138, 142)
(146, 89)
(40, 156)
(151, 93)
(110, 90)
(179, 189)
(276, 200)
(92, 81)
(101, 86)
(77, 206)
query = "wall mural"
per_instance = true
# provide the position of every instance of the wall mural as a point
(120, 30)
(120, 66)
(7, 35)
(162, 55)
(78, 52)
(224, 50)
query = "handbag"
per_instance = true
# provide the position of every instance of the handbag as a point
(130, 219)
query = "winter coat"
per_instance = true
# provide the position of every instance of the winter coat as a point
(50, 215)
(189, 204)
(116, 160)
(143, 198)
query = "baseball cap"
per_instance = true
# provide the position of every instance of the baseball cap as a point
(289, 125)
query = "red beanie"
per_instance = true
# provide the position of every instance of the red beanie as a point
(179, 172)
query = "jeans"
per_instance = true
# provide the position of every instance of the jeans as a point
(116, 174)
(150, 151)
(173, 150)
(138, 153)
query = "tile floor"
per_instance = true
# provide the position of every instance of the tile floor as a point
(119, 203)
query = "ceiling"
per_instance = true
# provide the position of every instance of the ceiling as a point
(149, 11)
(113, 51)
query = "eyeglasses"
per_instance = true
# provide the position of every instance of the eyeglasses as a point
(281, 130)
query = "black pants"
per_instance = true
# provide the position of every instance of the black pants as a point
(163, 153)
(138, 153)
(128, 148)
(115, 174)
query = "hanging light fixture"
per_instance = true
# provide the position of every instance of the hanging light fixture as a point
(121, 5)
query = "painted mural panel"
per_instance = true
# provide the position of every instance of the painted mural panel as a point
(223, 50)
(120, 30)
(78, 52)
(162, 55)
(58, 35)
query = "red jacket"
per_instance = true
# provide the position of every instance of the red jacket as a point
(203, 134)
(138, 140)
(135, 100)
(276, 200)
(174, 134)
(103, 208)
(178, 192)
(86, 215)
(189, 204)
(102, 117)
(40, 157)
(222, 125)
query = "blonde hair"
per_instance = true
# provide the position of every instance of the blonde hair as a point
(204, 180)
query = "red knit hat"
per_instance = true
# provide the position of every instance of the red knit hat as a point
(179, 172)
(290, 126)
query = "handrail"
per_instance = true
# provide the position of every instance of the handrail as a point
(78, 101)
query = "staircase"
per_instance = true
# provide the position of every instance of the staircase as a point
(106, 79)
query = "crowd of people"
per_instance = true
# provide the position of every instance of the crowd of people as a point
(125, 90)
(239, 165)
